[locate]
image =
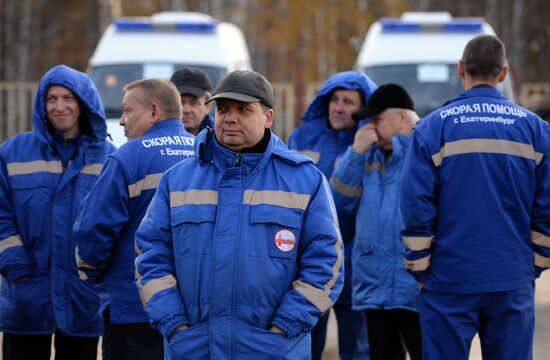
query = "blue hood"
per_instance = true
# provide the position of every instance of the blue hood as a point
(83, 88)
(348, 80)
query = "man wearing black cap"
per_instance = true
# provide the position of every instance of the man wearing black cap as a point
(366, 185)
(194, 87)
(240, 252)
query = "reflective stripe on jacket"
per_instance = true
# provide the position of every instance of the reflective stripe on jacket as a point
(111, 214)
(39, 200)
(247, 242)
(476, 196)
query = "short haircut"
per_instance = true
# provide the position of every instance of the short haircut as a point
(484, 56)
(160, 91)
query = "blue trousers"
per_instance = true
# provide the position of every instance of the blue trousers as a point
(353, 343)
(504, 320)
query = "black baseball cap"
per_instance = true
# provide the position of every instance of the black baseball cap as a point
(246, 86)
(192, 81)
(385, 97)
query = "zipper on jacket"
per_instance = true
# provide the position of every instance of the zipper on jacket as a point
(238, 160)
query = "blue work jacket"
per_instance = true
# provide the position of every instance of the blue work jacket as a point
(367, 185)
(249, 241)
(476, 196)
(104, 230)
(325, 146)
(40, 195)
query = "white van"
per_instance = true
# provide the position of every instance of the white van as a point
(420, 51)
(156, 46)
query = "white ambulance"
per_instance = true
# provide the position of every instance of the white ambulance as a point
(420, 51)
(156, 46)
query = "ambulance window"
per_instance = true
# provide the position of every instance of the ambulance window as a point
(430, 85)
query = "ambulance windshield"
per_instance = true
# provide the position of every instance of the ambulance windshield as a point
(429, 85)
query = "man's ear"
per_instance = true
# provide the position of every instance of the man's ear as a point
(461, 71)
(155, 112)
(502, 74)
(270, 115)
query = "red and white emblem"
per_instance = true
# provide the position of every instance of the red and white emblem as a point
(285, 240)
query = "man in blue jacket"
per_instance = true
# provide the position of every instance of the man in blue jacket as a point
(108, 219)
(44, 176)
(194, 87)
(240, 251)
(476, 208)
(366, 187)
(327, 131)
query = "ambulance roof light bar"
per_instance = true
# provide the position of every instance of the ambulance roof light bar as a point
(159, 24)
(456, 26)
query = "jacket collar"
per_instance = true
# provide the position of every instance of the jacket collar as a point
(165, 124)
(477, 91)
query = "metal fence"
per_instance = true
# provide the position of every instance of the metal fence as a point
(16, 103)
(17, 99)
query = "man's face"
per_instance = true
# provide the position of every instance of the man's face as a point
(62, 110)
(136, 116)
(387, 124)
(193, 112)
(240, 124)
(342, 104)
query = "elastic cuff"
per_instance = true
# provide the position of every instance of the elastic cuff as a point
(14, 274)
(290, 327)
(171, 323)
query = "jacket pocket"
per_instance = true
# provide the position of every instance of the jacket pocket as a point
(191, 343)
(192, 229)
(274, 232)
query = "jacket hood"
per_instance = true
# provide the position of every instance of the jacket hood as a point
(81, 85)
(348, 80)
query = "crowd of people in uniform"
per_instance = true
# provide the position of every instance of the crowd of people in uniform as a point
(210, 238)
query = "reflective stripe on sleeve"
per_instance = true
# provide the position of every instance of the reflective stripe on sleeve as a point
(313, 155)
(540, 239)
(276, 197)
(417, 243)
(319, 298)
(417, 265)
(493, 146)
(92, 169)
(193, 197)
(155, 286)
(10, 241)
(541, 261)
(31, 167)
(150, 182)
(344, 189)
